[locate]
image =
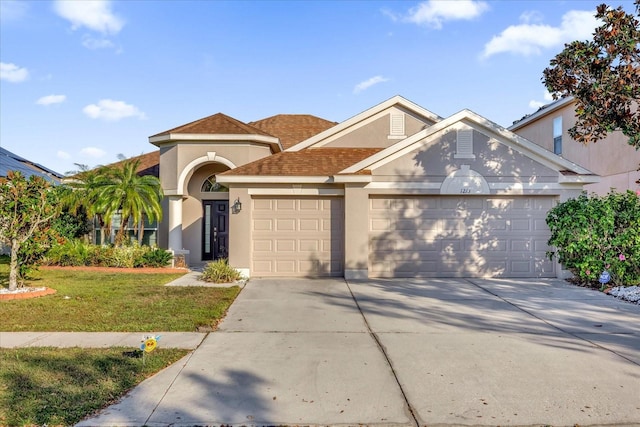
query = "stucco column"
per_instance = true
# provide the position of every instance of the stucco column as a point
(356, 232)
(240, 231)
(175, 223)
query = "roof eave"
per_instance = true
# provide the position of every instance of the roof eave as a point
(159, 140)
(273, 179)
(543, 111)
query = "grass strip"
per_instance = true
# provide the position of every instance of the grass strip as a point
(51, 386)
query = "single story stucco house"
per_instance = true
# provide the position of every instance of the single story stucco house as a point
(394, 191)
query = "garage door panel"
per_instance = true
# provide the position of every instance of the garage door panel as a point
(447, 236)
(297, 236)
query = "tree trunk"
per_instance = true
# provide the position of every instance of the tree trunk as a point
(141, 231)
(120, 235)
(13, 265)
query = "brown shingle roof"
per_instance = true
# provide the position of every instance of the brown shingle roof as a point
(217, 124)
(293, 128)
(149, 163)
(310, 162)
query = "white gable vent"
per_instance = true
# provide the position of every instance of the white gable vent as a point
(464, 144)
(396, 126)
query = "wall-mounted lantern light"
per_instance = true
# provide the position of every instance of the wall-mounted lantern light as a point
(237, 206)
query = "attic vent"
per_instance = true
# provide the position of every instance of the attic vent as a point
(464, 144)
(396, 127)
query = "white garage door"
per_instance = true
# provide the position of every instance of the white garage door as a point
(297, 236)
(451, 236)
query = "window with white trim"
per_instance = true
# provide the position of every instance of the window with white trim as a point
(210, 186)
(557, 135)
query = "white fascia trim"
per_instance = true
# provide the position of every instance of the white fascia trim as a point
(543, 111)
(277, 179)
(403, 186)
(271, 140)
(578, 179)
(351, 178)
(295, 192)
(370, 114)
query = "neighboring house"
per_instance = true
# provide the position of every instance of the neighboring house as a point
(612, 158)
(393, 191)
(12, 162)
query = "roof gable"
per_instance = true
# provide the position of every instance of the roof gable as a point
(494, 132)
(364, 118)
(218, 124)
(292, 128)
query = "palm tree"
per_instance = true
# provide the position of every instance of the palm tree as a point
(84, 184)
(136, 197)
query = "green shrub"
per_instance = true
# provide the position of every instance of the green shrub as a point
(220, 272)
(78, 253)
(593, 234)
(156, 257)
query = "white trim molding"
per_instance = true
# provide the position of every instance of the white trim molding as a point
(188, 169)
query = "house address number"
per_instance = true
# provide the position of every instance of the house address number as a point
(465, 191)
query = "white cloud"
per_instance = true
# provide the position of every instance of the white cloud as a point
(63, 155)
(110, 110)
(529, 39)
(13, 10)
(93, 44)
(537, 104)
(368, 83)
(51, 99)
(93, 152)
(12, 73)
(434, 12)
(95, 15)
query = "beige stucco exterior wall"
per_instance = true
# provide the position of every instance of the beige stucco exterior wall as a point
(495, 161)
(184, 165)
(376, 133)
(612, 157)
(356, 229)
(176, 159)
(240, 230)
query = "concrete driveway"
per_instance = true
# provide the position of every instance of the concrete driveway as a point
(404, 352)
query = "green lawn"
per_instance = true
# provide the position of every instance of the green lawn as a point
(60, 387)
(51, 386)
(113, 302)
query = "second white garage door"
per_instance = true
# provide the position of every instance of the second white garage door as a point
(451, 236)
(297, 236)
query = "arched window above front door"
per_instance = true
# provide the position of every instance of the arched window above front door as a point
(210, 186)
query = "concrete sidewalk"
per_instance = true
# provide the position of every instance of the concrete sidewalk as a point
(186, 340)
(403, 352)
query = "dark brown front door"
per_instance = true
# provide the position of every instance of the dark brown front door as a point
(215, 230)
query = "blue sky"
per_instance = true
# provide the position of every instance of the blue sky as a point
(84, 81)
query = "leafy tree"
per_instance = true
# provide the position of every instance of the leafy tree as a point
(27, 207)
(134, 197)
(603, 75)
